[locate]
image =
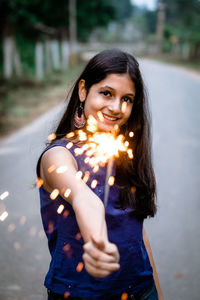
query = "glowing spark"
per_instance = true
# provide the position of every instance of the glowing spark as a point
(51, 168)
(4, 195)
(130, 153)
(85, 147)
(22, 220)
(60, 209)
(96, 168)
(11, 227)
(133, 189)
(82, 135)
(67, 193)
(78, 151)
(94, 184)
(86, 160)
(116, 128)
(66, 295)
(39, 182)
(70, 135)
(111, 180)
(91, 124)
(100, 115)
(124, 296)
(51, 137)
(3, 216)
(131, 133)
(79, 267)
(66, 214)
(124, 106)
(32, 231)
(86, 176)
(61, 169)
(50, 227)
(54, 194)
(17, 245)
(68, 251)
(69, 145)
(126, 144)
(79, 175)
(78, 236)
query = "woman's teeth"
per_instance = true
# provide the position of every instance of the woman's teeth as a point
(110, 118)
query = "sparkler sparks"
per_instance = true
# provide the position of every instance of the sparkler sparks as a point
(69, 145)
(3, 216)
(51, 137)
(79, 174)
(4, 195)
(111, 180)
(54, 194)
(61, 169)
(79, 267)
(39, 182)
(124, 106)
(60, 209)
(131, 134)
(124, 296)
(66, 295)
(67, 193)
(51, 168)
(94, 184)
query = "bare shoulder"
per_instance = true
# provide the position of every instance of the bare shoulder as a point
(58, 156)
(58, 169)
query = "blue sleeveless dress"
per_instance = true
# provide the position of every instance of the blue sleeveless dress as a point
(65, 243)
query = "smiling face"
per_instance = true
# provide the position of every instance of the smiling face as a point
(113, 97)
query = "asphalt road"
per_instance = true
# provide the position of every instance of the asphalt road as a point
(174, 232)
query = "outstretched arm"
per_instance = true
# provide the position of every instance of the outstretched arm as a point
(155, 275)
(101, 258)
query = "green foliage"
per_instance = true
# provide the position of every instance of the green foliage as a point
(91, 14)
(183, 22)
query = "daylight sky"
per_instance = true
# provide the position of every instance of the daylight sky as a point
(151, 4)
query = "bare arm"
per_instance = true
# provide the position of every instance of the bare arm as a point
(88, 208)
(155, 275)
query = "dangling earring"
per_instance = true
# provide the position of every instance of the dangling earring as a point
(79, 117)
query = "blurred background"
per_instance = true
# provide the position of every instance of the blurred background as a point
(39, 42)
(43, 48)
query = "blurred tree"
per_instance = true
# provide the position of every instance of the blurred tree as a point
(183, 26)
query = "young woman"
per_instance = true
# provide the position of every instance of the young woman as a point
(98, 252)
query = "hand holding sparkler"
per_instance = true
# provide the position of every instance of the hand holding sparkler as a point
(101, 258)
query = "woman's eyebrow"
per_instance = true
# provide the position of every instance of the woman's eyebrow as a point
(109, 87)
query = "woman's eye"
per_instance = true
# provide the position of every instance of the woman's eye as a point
(105, 93)
(127, 99)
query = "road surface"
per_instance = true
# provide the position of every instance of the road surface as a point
(174, 232)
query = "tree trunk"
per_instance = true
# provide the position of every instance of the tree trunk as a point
(160, 25)
(64, 50)
(8, 38)
(55, 54)
(17, 61)
(39, 60)
(47, 56)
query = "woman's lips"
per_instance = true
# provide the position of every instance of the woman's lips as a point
(110, 118)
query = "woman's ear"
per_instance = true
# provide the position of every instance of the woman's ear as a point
(82, 90)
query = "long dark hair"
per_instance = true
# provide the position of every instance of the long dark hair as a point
(135, 178)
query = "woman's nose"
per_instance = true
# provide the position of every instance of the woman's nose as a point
(115, 106)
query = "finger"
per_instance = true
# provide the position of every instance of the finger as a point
(110, 267)
(111, 249)
(97, 254)
(96, 272)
